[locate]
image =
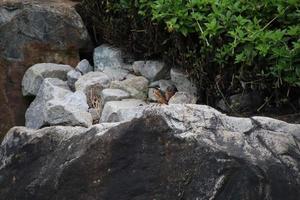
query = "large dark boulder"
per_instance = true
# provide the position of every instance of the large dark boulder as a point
(33, 32)
(170, 152)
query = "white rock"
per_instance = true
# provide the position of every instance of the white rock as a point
(116, 74)
(35, 75)
(113, 95)
(115, 111)
(136, 86)
(72, 77)
(84, 66)
(55, 104)
(152, 70)
(182, 82)
(183, 98)
(106, 56)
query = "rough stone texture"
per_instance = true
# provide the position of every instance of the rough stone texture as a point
(171, 152)
(106, 56)
(72, 77)
(116, 74)
(152, 70)
(35, 75)
(97, 80)
(95, 115)
(182, 82)
(162, 84)
(121, 110)
(55, 104)
(84, 66)
(136, 86)
(151, 96)
(183, 98)
(34, 32)
(113, 95)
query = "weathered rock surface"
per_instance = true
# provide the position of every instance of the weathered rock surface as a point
(55, 104)
(84, 67)
(114, 111)
(152, 70)
(34, 32)
(113, 95)
(106, 56)
(136, 86)
(182, 82)
(116, 74)
(183, 98)
(170, 152)
(72, 77)
(36, 74)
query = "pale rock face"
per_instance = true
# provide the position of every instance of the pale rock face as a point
(182, 82)
(55, 104)
(152, 70)
(113, 95)
(35, 75)
(115, 111)
(84, 67)
(116, 74)
(72, 77)
(137, 86)
(106, 56)
(183, 98)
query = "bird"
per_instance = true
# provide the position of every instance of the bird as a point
(164, 97)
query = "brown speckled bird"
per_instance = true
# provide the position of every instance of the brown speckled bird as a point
(164, 97)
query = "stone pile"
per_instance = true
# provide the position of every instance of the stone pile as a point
(87, 94)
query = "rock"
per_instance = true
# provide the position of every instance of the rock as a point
(35, 75)
(162, 84)
(182, 82)
(95, 115)
(112, 109)
(136, 86)
(152, 70)
(72, 77)
(246, 102)
(97, 80)
(116, 74)
(183, 98)
(55, 104)
(113, 95)
(34, 32)
(106, 56)
(151, 96)
(84, 67)
(208, 154)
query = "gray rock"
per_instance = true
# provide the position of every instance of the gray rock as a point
(35, 75)
(163, 85)
(72, 77)
(209, 154)
(182, 82)
(136, 86)
(84, 66)
(152, 70)
(115, 111)
(106, 56)
(95, 115)
(183, 98)
(97, 80)
(151, 96)
(116, 74)
(113, 95)
(55, 104)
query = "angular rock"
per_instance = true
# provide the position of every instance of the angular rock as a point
(55, 104)
(183, 98)
(84, 67)
(152, 70)
(72, 77)
(208, 154)
(106, 56)
(112, 110)
(113, 95)
(34, 32)
(136, 86)
(182, 82)
(36, 74)
(116, 74)
(97, 80)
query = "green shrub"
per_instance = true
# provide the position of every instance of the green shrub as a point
(255, 43)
